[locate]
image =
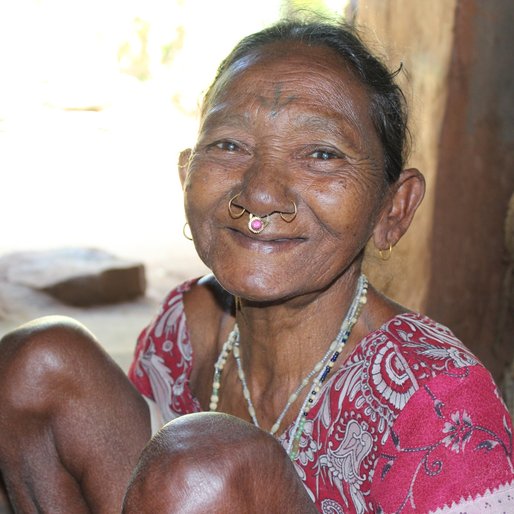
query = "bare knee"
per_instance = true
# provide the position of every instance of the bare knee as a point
(38, 359)
(182, 463)
(212, 462)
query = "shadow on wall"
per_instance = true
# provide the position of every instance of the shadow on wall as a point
(4, 505)
(475, 179)
(505, 322)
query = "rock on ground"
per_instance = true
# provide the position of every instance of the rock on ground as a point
(76, 276)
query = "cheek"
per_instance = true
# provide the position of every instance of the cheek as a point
(204, 203)
(201, 194)
(346, 209)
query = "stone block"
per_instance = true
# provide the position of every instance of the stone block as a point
(76, 276)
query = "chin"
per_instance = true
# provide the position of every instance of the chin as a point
(254, 287)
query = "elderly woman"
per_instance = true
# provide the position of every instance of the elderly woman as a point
(312, 375)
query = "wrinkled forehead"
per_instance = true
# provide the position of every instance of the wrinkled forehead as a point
(316, 66)
(295, 81)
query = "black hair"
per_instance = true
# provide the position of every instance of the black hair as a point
(388, 104)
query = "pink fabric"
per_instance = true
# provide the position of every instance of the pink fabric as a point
(411, 421)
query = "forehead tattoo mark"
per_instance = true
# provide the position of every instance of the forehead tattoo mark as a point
(278, 102)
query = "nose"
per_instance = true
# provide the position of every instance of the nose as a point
(265, 189)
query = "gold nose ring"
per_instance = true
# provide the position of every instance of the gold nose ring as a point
(234, 215)
(257, 224)
(289, 216)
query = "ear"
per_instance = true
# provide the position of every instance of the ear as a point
(403, 200)
(183, 164)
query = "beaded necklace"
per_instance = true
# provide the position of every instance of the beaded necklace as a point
(322, 368)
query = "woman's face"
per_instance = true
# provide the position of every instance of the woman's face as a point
(287, 125)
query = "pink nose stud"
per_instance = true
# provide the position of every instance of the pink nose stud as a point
(256, 224)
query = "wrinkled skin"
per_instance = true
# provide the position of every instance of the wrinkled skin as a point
(294, 127)
(290, 126)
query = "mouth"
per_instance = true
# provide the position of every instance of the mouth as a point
(265, 242)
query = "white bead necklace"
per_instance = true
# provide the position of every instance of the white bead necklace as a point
(322, 368)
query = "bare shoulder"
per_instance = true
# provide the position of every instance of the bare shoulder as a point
(207, 297)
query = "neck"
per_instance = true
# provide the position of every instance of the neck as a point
(280, 343)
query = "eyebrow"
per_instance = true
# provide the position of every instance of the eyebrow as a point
(218, 116)
(350, 132)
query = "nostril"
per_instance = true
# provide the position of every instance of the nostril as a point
(234, 213)
(288, 217)
(236, 209)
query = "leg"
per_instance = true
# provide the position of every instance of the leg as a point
(72, 425)
(215, 463)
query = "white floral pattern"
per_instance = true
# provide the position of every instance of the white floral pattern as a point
(459, 431)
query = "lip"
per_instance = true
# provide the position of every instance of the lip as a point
(265, 243)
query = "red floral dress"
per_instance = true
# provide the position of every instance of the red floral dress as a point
(411, 422)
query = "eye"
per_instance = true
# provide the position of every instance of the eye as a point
(324, 155)
(226, 146)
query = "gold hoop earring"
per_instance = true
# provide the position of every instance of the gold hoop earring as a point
(187, 233)
(289, 216)
(231, 212)
(385, 255)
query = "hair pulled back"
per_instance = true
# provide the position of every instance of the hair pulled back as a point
(388, 109)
